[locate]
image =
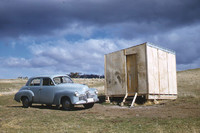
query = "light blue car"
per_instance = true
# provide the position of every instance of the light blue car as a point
(56, 90)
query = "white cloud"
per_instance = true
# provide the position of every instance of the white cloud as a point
(15, 62)
(83, 56)
(86, 56)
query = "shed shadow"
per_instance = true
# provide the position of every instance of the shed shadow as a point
(102, 99)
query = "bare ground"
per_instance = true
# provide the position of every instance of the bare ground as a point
(173, 109)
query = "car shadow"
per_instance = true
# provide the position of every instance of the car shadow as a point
(76, 108)
(14, 106)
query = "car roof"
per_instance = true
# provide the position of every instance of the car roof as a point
(50, 76)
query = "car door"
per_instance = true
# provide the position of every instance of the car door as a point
(47, 91)
(35, 87)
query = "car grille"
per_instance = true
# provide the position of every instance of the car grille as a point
(85, 96)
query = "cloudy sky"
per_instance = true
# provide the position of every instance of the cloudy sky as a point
(62, 36)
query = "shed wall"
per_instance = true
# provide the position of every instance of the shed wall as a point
(161, 74)
(153, 70)
(115, 74)
(172, 74)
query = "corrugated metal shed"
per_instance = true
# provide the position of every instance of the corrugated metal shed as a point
(147, 69)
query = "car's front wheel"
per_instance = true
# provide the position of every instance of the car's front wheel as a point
(66, 104)
(48, 105)
(25, 102)
(89, 105)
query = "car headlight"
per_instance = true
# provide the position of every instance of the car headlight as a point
(96, 92)
(76, 93)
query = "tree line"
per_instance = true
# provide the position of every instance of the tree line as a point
(79, 75)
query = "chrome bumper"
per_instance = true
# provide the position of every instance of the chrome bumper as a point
(89, 100)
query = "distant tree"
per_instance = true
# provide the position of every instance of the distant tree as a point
(25, 77)
(79, 75)
(74, 74)
(91, 76)
(102, 76)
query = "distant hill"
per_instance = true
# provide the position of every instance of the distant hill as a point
(188, 82)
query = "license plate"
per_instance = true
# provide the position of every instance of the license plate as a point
(90, 100)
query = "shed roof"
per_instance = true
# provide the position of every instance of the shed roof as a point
(161, 48)
(151, 45)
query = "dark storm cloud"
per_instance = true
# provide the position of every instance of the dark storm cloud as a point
(28, 17)
(73, 35)
(184, 41)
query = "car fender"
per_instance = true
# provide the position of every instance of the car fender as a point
(92, 91)
(59, 95)
(27, 93)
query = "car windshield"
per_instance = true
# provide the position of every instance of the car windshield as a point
(62, 79)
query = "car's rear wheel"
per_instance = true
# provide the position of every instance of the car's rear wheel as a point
(66, 104)
(89, 105)
(57, 106)
(25, 102)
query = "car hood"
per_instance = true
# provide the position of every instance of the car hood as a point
(74, 87)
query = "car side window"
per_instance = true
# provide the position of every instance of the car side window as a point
(66, 80)
(62, 79)
(57, 80)
(47, 82)
(35, 82)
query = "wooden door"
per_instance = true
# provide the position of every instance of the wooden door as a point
(132, 76)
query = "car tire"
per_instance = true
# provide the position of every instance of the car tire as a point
(57, 106)
(48, 105)
(89, 105)
(66, 104)
(25, 102)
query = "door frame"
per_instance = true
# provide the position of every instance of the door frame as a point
(126, 76)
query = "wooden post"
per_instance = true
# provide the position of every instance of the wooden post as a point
(107, 99)
(122, 103)
(134, 99)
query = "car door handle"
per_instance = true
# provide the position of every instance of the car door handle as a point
(40, 89)
(28, 88)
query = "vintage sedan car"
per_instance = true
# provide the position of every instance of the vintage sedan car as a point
(56, 90)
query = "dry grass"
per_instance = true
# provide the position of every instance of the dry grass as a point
(101, 118)
(180, 115)
(7, 85)
(188, 83)
(92, 83)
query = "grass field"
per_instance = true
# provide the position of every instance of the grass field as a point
(189, 83)
(180, 115)
(7, 85)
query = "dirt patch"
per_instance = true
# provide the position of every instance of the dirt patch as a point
(172, 109)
